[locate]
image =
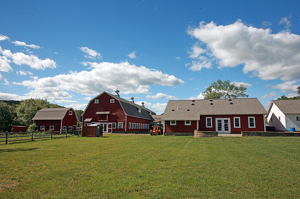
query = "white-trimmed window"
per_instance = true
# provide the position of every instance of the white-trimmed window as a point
(113, 125)
(237, 122)
(251, 122)
(112, 101)
(70, 128)
(120, 125)
(70, 112)
(64, 128)
(96, 101)
(173, 122)
(42, 128)
(187, 122)
(129, 125)
(208, 122)
(51, 128)
(140, 110)
(297, 118)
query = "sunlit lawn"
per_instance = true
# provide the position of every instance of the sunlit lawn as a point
(143, 166)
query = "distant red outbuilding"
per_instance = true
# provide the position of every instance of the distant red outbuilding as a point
(56, 119)
(17, 129)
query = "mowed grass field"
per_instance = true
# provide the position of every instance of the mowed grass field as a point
(143, 166)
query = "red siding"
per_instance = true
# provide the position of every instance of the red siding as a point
(48, 123)
(17, 129)
(70, 120)
(180, 127)
(138, 121)
(259, 123)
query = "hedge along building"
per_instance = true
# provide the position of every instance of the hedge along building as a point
(56, 119)
(116, 114)
(221, 115)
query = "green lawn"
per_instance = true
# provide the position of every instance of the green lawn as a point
(143, 166)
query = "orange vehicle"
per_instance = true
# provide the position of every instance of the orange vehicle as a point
(157, 128)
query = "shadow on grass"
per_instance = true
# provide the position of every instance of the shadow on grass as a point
(16, 150)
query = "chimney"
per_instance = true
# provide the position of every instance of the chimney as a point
(132, 99)
(117, 93)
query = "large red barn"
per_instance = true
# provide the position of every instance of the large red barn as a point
(56, 119)
(116, 114)
(221, 115)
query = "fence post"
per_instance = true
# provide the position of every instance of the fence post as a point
(51, 135)
(6, 137)
(31, 135)
(66, 134)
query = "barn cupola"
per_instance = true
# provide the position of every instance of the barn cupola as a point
(143, 104)
(132, 99)
(117, 93)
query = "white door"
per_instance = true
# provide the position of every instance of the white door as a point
(104, 125)
(223, 125)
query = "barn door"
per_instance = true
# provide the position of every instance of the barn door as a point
(109, 128)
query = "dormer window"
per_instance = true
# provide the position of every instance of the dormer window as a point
(96, 101)
(140, 110)
(112, 101)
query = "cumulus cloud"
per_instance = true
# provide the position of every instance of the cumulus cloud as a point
(21, 43)
(132, 55)
(102, 77)
(1, 77)
(161, 96)
(246, 85)
(158, 108)
(77, 106)
(3, 37)
(90, 53)
(22, 59)
(200, 96)
(6, 82)
(286, 21)
(270, 95)
(9, 96)
(88, 98)
(287, 86)
(269, 56)
(23, 73)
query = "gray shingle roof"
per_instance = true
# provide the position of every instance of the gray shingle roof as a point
(192, 109)
(51, 114)
(287, 106)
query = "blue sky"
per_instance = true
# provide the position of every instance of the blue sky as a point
(70, 51)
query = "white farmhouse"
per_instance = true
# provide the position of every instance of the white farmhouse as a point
(284, 114)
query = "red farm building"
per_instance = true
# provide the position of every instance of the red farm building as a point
(182, 117)
(115, 114)
(56, 119)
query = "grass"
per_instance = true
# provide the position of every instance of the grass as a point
(144, 166)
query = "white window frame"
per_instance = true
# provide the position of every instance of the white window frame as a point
(173, 122)
(70, 128)
(70, 112)
(113, 125)
(96, 101)
(253, 122)
(51, 128)
(120, 125)
(140, 110)
(239, 126)
(129, 125)
(42, 127)
(187, 124)
(206, 122)
(112, 101)
(64, 128)
(298, 118)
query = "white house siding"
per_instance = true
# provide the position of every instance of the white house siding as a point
(291, 121)
(278, 119)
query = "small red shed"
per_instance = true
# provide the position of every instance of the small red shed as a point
(17, 129)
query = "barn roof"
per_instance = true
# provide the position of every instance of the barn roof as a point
(130, 108)
(52, 114)
(286, 106)
(192, 109)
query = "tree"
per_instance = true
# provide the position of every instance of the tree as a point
(6, 117)
(28, 108)
(283, 97)
(298, 90)
(224, 90)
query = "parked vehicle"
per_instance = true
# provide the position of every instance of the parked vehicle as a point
(157, 128)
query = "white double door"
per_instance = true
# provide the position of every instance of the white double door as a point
(223, 125)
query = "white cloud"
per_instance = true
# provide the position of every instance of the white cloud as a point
(286, 21)
(178, 58)
(4, 64)
(102, 77)
(196, 51)
(287, 86)
(21, 43)
(1, 77)
(6, 82)
(200, 96)
(198, 65)
(77, 106)
(92, 54)
(3, 37)
(270, 95)
(9, 96)
(22, 59)
(161, 96)
(64, 101)
(132, 55)
(88, 98)
(269, 56)
(158, 108)
(21, 72)
(246, 85)
(266, 23)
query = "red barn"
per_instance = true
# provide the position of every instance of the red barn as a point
(116, 114)
(56, 119)
(221, 115)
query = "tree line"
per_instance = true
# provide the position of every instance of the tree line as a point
(20, 113)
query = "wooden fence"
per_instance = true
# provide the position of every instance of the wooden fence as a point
(34, 135)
